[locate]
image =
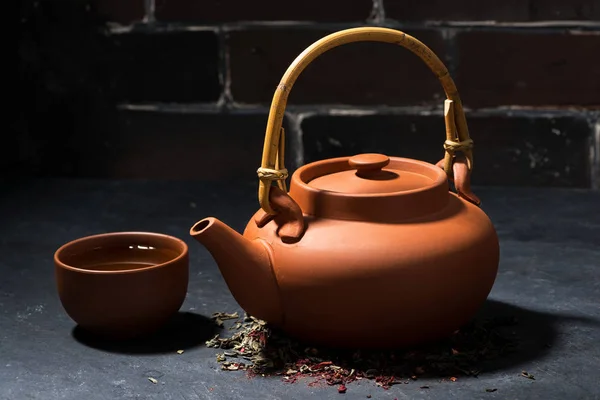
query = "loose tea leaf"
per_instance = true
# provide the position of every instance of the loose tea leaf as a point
(179, 351)
(152, 380)
(527, 375)
(262, 350)
(490, 390)
(225, 316)
(219, 317)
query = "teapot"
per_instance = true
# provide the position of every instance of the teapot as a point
(363, 251)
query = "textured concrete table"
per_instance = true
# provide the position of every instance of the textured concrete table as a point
(549, 279)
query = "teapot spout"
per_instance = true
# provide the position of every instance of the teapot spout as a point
(246, 267)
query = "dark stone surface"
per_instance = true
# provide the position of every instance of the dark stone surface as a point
(528, 68)
(509, 150)
(548, 279)
(356, 73)
(212, 11)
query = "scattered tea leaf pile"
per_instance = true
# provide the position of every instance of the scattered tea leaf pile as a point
(259, 349)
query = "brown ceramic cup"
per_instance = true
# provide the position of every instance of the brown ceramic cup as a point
(124, 284)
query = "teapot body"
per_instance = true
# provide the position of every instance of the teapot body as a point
(368, 250)
(355, 283)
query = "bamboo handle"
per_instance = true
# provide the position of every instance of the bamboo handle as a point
(457, 134)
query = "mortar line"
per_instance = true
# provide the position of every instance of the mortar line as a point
(363, 110)
(377, 15)
(451, 50)
(225, 99)
(377, 19)
(595, 156)
(149, 8)
(294, 132)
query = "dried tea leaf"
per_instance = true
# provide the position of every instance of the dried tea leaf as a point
(221, 357)
(269, 352)
(371, 373)
(214, 342)
(225, 316)
(527, 375)
(179, 351)
(152, 380)
(231, 366)
(490, 390)
(236, 327)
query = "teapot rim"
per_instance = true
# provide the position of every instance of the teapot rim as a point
(383, 207)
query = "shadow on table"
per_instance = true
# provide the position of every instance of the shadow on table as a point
(535, 333)
(185, 331)
(501, 337)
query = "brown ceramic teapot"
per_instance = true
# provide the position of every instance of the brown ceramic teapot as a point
(363, 251)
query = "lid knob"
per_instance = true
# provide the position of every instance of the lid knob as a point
(368, 164)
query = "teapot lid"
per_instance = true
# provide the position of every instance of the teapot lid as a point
(370, 187)
(371, 173)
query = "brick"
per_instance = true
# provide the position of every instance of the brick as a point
(216, 11)
(523, 68)
(355, 73)
(123, 12)
(502, 11)
(164, 66)
(457, 10)
(510, 151)
(541, 10)
(166, 145)
(66, 14)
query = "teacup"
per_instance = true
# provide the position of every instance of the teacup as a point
(122, 285)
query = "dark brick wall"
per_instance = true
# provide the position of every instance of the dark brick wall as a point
(359, 73)
(181, 88)
(528, 68)
(505, 10)
(219, 11)
(521, 150)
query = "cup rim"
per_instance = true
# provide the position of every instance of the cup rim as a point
(91, 238)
